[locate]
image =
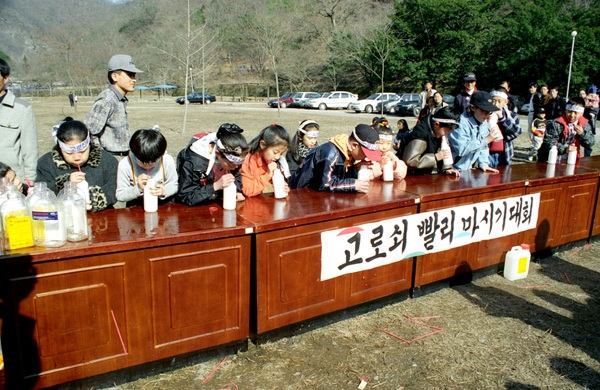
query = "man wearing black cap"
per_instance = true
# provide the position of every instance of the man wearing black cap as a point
(461, 101)
(107, 120)
(469, 143)
(331, 166)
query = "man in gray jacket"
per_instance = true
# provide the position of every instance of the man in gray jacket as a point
(18, 133)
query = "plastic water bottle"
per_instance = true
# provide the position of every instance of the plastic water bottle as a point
(75, 213)
(448, 161)
(572, 157)
(150, 201)
(84, 190)
(229, 195)
(552, 156)
(516, 264)
(47, 214)
(388, 171)
(493, 124)
(16, 221)
(363, 173)
(279, 184)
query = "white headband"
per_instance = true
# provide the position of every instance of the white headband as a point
(80, 147)
(499, 93)
(571, 107)
(230, 157)
(444, 120)
(386, 137)
(314, 133)
(366, 144)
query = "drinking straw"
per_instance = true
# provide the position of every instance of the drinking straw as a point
(118, 331)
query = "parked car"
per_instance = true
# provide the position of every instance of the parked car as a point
(335, 99)
(389, 106)
(300, 97)
(283, 101)
(367, 105)
(305, 103)
(525, 109)
(519, 103)
(408, 105)
(196, 97)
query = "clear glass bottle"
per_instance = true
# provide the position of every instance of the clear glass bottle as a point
(47, 214)
(34, 192)
(4, 183)
(75, 213)
(16, 220)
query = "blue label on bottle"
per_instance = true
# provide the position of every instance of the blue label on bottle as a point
(44, 215)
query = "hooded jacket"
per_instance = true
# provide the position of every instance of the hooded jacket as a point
(419, 147)
(328, 167)
(195, 170)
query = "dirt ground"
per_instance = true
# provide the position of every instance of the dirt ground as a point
(536, 333)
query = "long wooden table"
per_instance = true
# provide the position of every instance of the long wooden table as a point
(141, 290)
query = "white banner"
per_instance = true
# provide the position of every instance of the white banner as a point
(371, 245)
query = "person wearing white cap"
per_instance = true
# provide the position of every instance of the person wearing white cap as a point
(107, 120)
(502, 150)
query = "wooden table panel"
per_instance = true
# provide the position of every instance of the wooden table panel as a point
(593, 163)
(580, 198)
(200, 295)
(439, 266)
(288, 252)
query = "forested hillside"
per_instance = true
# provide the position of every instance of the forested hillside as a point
(359, 45)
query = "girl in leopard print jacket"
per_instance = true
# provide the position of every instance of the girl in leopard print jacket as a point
(75, 158)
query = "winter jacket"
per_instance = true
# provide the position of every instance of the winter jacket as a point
(510, 127)
(556, 134)
(195, 170)
(100, 172)
(468, 143)
(328, 167)
(18, 136)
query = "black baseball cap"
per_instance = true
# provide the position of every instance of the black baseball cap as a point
(367, 137)
(483, 100)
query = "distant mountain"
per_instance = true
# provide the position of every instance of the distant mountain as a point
(27, 24)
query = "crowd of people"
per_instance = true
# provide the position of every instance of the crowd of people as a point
(477, 132)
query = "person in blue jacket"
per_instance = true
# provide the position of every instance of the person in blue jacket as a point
(469, 143)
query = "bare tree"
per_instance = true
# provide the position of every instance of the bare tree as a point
(270, 32)
(188, 47)
(370, 50)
